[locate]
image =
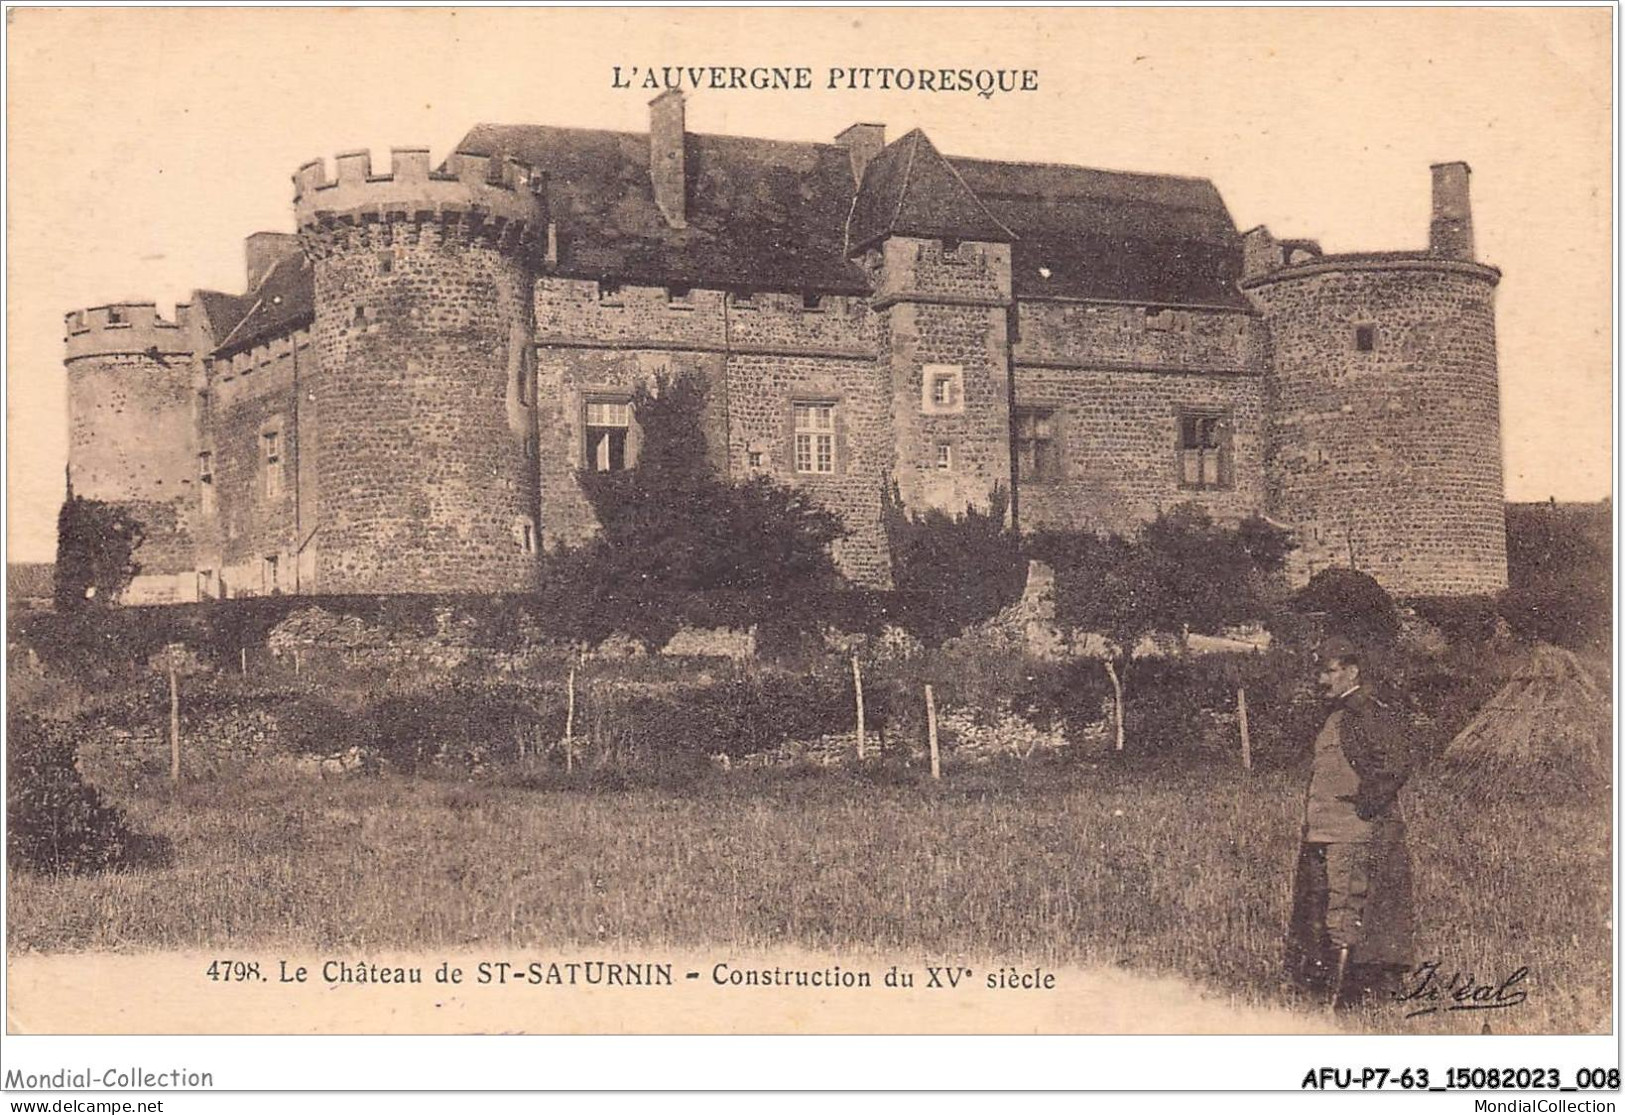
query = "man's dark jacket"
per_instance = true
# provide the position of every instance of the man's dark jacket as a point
(1375, 743)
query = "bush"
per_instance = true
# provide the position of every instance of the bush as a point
(952, 571)
(56, 823)
(95, 553)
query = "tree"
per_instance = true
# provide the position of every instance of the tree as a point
(671, 527)
(95, 552)
(1181, 573)
(956, 570)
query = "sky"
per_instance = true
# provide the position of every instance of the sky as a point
(143, 145)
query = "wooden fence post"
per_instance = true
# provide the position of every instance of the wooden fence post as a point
(570, 722)
(931, 731)
(1117, 702)
(1246, 737)
(174, 721)
(857, 686)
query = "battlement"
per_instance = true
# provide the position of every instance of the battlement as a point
(126, 328)
(501, 191)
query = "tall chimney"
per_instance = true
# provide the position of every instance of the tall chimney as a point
(1451, 233)
(862, 142)
(264, 250)
(666, 164)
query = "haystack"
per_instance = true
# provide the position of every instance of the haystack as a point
(1548, 730)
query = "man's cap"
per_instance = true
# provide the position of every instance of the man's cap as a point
(1338, 648)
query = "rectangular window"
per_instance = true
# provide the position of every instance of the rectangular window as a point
(942, 389)
(1035, 445)
(1365, 338)
(608, 423)
(609, 290)
(744, 299)
(1204, 451)
(115, 316)
(680, 296)
(269, 582)
(945, 457)
(205, 480)
(815, 437)
(272, 440)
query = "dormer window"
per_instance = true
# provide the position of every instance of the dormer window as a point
(812, 303)
(680, 296)
(115, 316)
(950, 249)
(744, 299)
(609, 291)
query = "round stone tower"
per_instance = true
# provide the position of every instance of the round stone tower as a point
(132, 436)
(425, 406)
(1385, 436)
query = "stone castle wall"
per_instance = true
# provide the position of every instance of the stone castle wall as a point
(267, 389)
(1114, 382)
(1388, 459)
(427, 477)
(132, 436)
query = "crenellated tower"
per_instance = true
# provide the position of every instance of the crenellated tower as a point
(423, 327)
(1385, 434)
(132, 406)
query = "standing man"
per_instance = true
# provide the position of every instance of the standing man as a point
(1350, 934)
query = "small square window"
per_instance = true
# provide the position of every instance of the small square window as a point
(945, 457)
(744, 299)
(942, 389)
(950, 249)
(1365, 338)
(609, 290)
(679, 296)
(812, 303)
(754, 458)
(115, 315)
(386, 262)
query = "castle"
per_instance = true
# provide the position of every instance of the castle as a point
(403, 399)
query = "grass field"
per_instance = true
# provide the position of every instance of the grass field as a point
(1163, 870)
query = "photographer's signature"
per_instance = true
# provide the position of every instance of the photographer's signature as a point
(1428, 989)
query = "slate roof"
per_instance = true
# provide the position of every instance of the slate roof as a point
(910, 190)
(221, 311)
(284, 300)
(760, 214)
(767, 214)
(1112, 235)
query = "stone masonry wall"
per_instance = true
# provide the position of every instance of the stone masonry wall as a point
(1115, 446)
(132, 433)
(1100, 335)
(252, 394)
(1389, 459)
(946, 313)
(763, 390)
(1115, 380)
(428, 476)
(759, 352)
